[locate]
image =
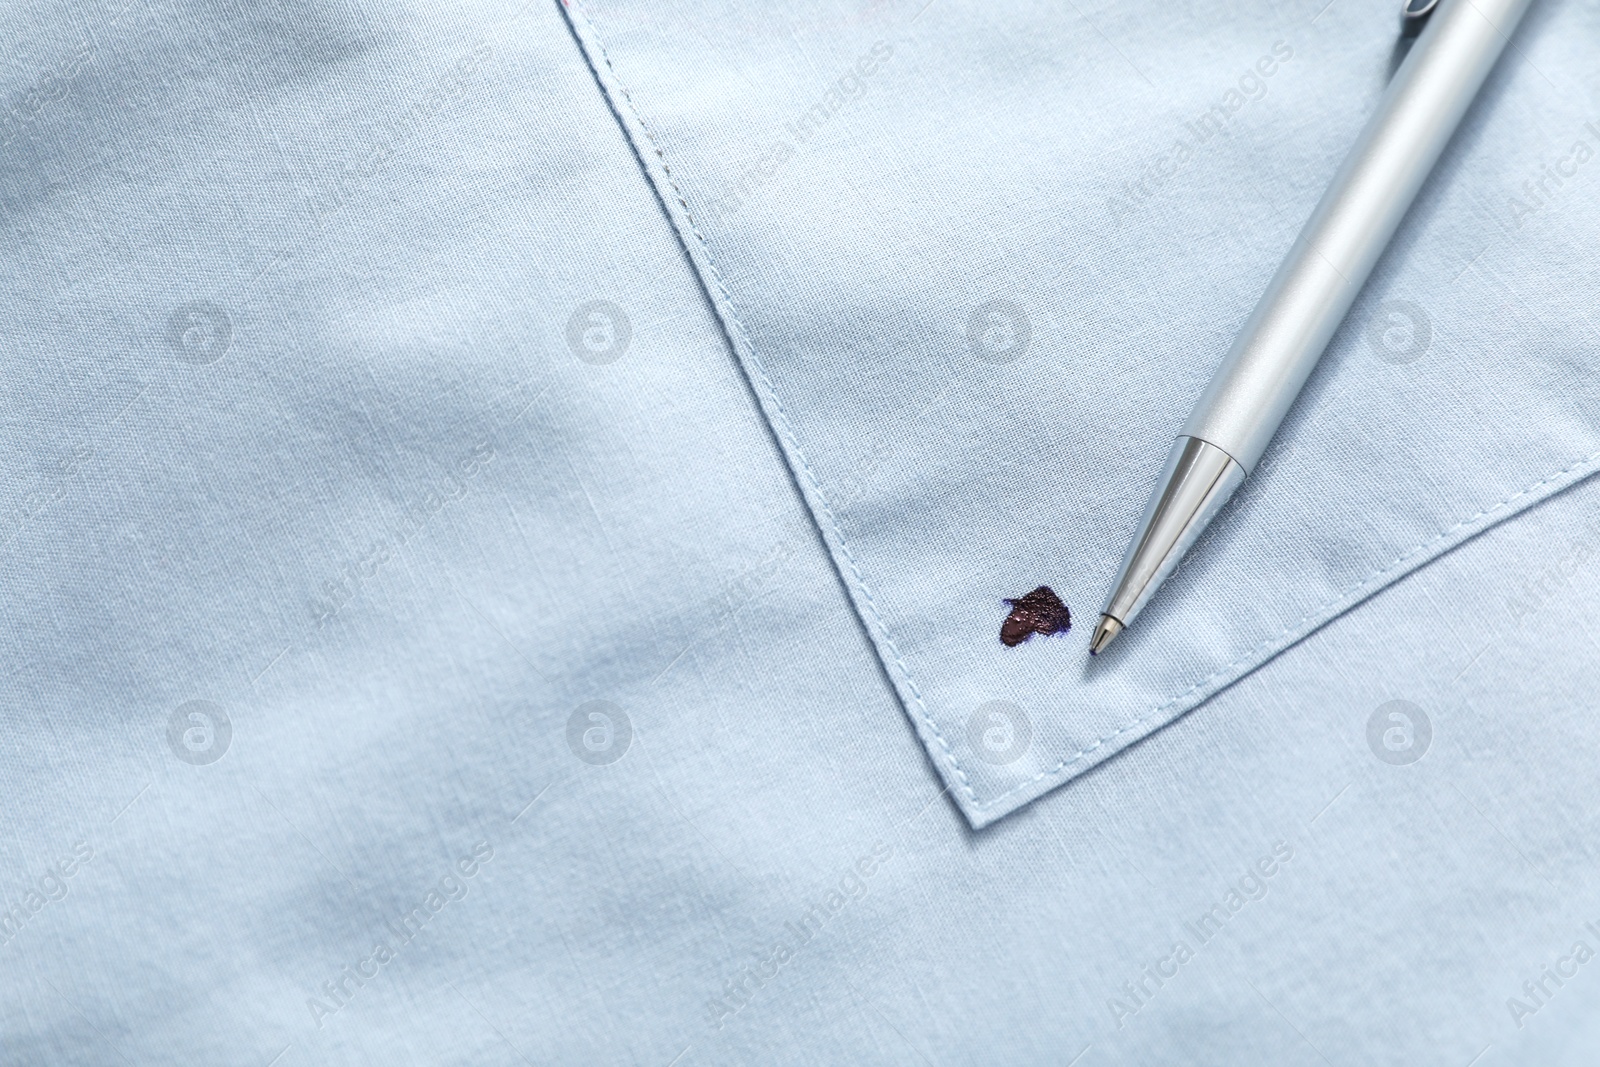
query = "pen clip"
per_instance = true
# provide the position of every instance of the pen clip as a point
(1413, 14)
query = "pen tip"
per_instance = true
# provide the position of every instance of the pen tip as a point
(1103, 633)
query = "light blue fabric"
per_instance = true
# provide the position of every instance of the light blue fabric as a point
(1095, 196)
(416, 649)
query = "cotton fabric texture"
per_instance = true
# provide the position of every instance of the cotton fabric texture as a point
(1016, 249)
(503, 563)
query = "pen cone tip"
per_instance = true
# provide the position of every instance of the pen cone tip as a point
(1107, 629)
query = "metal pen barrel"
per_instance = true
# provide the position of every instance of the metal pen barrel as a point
(1258, 380)
(1335, 252)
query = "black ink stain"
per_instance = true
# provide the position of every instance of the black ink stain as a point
(1040, 612)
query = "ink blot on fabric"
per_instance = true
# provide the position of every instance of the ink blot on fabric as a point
(1040, 612)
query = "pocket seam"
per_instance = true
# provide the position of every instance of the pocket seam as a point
(590, 44)
(1368, 586)
(778, 417)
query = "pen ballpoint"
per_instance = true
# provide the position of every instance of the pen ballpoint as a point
(1313, 289)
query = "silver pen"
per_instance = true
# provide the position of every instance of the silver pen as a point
(1312, 290)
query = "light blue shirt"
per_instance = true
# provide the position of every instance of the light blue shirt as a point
(511, 510)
